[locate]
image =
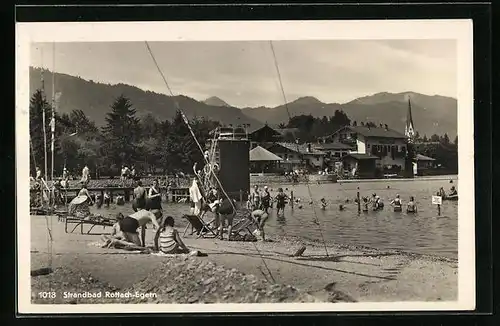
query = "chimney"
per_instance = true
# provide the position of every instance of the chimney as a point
(386, 127)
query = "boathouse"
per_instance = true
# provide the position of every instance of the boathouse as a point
(263, 161)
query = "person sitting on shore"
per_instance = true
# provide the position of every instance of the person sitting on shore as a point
(116, 233)
(170, 241)
(130, 224)
(79, 206)
(260, 216)
(139, 197)
(453, 191)
(411, 206)
(396, 202)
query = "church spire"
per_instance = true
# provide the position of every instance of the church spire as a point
(409, 128)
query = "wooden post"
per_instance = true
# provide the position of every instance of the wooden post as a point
(291, 199)
(359, 202)
(439, 210)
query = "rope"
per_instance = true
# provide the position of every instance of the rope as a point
(298, 150)
(199, 146)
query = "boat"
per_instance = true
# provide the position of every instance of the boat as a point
(451, 198)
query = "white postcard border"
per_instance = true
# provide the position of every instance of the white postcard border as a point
(460, 30)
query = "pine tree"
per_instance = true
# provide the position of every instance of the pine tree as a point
(38, 104)
(121, 132)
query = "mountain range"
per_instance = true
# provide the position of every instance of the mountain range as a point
(431, 114)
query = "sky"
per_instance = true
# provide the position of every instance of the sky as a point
(244, 73)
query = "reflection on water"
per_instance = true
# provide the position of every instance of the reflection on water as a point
(424, 232)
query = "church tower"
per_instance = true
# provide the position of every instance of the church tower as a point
(409, 128)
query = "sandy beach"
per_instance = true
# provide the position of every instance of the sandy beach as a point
(346, 273)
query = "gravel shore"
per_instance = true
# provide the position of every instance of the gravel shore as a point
(180, 279)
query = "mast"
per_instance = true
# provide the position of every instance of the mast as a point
(44, 123)
(53, 121)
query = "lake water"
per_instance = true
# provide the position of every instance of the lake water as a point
(424, 232)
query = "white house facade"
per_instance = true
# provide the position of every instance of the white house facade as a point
(388, 145)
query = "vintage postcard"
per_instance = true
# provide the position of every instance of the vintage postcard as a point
(245, 166)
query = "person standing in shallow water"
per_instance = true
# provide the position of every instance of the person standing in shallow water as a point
(411, 206)
(281, 198)
(265, 199)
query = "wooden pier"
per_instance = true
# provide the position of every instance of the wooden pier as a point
(171, 194)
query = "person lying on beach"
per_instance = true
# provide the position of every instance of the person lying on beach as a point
(170, 241)
(411, 206)
(260, 217)
(130, 224)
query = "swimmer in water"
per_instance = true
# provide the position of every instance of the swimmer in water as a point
(365, 204)
(411, 206)
(323, 203)
(378, 204)
(396, 202)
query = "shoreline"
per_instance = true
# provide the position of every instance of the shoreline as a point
(362, 274)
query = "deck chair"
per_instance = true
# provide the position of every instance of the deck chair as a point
(244, 228)
(197, 223)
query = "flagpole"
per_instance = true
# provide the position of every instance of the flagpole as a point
(53, 121)
(44, 125)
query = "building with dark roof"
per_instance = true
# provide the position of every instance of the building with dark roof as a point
(296, 155)
(388, 145)
(263, 161)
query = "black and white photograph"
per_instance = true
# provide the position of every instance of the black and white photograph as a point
(245, 166)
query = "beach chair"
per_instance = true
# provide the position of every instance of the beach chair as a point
(244, 227)
(79, 222)
(197, 223)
